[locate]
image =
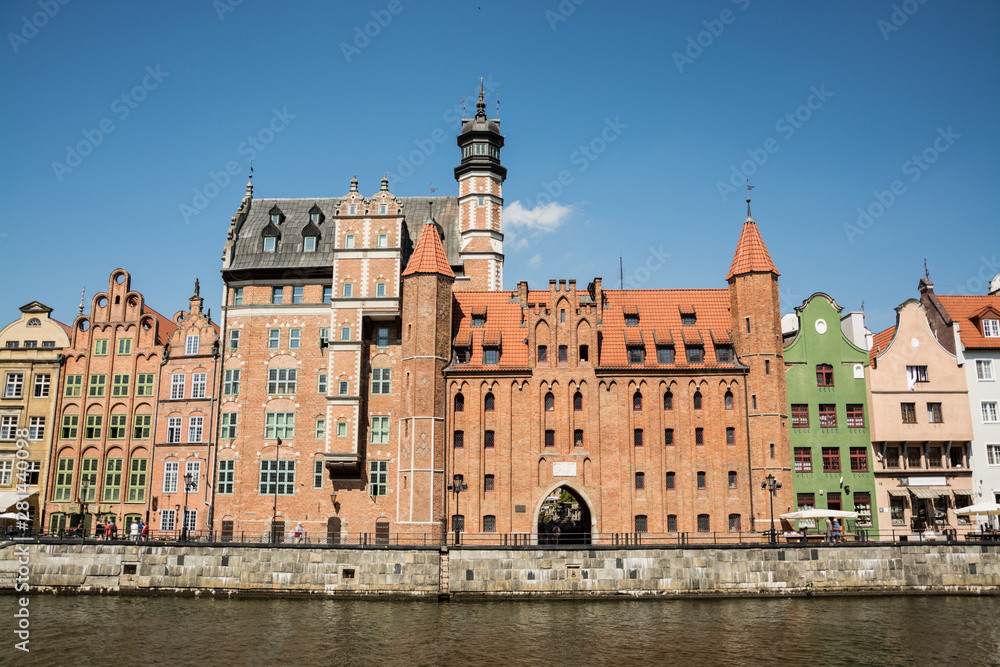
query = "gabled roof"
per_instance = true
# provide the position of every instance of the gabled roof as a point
(881, 341)
(969, 311)
(751, 253)
(429, 257)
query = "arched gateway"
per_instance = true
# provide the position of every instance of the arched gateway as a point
(564, 516)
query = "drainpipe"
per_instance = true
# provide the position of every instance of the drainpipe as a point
(43, 489)
(746, 413)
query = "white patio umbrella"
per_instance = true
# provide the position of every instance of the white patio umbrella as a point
(9, 515)
(820, 514)
(980, 508)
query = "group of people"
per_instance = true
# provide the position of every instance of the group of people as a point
(108, 530)
(833, 531)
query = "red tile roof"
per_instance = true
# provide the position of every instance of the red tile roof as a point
(969, 312)
(751, 253)
(880, 341)
(165, 326)
(429, 257)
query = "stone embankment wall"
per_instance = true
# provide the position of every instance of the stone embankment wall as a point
(473, 572)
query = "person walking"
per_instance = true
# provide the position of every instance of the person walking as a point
(298, 532)
(112, 529)
(133, 530)
(836, 531)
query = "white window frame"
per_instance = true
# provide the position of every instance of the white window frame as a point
(383, 240)
(174, 426)
(36, 428)
(13, 386)
(191, 520)
(8, 426)
(380, 289)
(270, 242)
(991, 328)
(196, 428)
(309, 244)
(349, 241)
(993, 455)
(43, 382)
(192, 343)
(984, 370)
(194, 468)
(6, 471)
(989, 412)
(168, 519)
(177, 386)
(345, 333)
(348, 290)
(199, 382)
(170, 475)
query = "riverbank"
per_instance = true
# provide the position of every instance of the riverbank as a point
(227, 570)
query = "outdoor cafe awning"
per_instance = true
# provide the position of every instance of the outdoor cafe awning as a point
(899, 493)
(929, 491)
(9, 498)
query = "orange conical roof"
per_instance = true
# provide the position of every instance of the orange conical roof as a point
(429, 257)
(751, 253)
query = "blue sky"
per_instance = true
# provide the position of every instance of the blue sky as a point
(867, 128)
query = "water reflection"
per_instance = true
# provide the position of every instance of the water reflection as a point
(193, 631)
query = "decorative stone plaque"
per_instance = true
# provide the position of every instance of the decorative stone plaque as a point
(564, 469)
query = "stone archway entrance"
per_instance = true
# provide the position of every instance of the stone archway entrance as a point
(564, 517)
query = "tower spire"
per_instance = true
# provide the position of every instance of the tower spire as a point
(749, 188)
(481, 104)
(82, 292)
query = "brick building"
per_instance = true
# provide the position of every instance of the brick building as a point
(377, 358)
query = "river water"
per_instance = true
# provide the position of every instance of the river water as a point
(925, 630)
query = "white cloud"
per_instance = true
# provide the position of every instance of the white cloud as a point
(544, 218)
(535, 261)
(521, 243)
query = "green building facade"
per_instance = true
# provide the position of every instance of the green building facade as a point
(828, 416)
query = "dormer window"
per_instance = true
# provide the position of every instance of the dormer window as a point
(275, 218)
(632, 320)
(724, 355)
(696, 355)
(269, 243)
(664, 354)
(309, 243)
(991, 328)
(491, 356)
(461, 355)
(479, 320)
(314, 218)
(688, 319)
(636, 354)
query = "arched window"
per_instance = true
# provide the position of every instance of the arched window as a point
(637, 401)
(578, 401)
(459, 403)
(729, 400)
(697, 400)
(668, 401)
(550, 402)
(488, 403)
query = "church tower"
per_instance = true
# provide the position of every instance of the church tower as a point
(480, 179)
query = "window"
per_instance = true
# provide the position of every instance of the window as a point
(993, 454)
(459, 439)
(824, 375)
(803, 459)
(378, 478)
(382, 209)
(577, 401)
(641, 523)
(119, 384)
(664, 354)
(934, 457)
(309, 244)
(701, 479)
(855, 415)
(696, 355)
(550, 438)
(231, 382)
(144, 384)
(327, 294)
(382, 381)
(190, 520)
(734, 523)
(991, 328)
(318, 474)
(320, 428)
(227, 476)
(294, 339)
(563, 353)
(69, 426)
(806, 501)
(584, 353)
(637, 401)
(488, 439)
(36, 428)
(74, 386)
(640, 481)
(697, 400)
(688, 319)
(457, 523)
(915, 374)
(6, 471)
(349, 238)
(348, 290)
(281, 381)
(174, 430)
(269, 243)
(101, 347)
(112, 481)
(14, 386)
(321, 383)
(462, 355)
(668, 401)
(380, 289)
(489, 402)
(137, 480)
(730, 435)
(237, 296)
(195, 428)
(383, 240)
(382, 337)
(478, 319)
(863, 506)
(671, 523)
(578, 437)
(897, 506)
(984, 369)
(480, 201)
(341, 429)
(177, 386)
(489, 524)
(668, 436)
(64, 480)
(229, 420)
(934, 413)
(728, 400)
(88, 473)
(488, 481)
(118, 427)
(277, 477)
(380, 430)
(671, 481)
(989, 409)
(277, 295)
(913, 456)
(908, 412)
(543, 353)
(699, 436)
(279, 425)
(831, 459)
(141, 427)
(12, 344)
(491, 356)
(636, 354)
(767, 367)
(459, 403)
(97, 383)
(859, 459)
(342, 387)
(199, 382)
(192, 343)
(41, 389)
(94, 425)
(724, 355)
(273, 338)
(703, 523)
(550, 402)
(828, 415)
(637, 437)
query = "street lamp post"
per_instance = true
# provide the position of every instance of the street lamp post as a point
(457, 486)
(772, 485)
(184, 525)
(84, 486)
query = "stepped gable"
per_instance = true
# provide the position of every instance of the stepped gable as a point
(429, 257)
(969, 311)
(751, 253)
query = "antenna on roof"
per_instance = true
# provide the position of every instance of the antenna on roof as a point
(621, 272)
